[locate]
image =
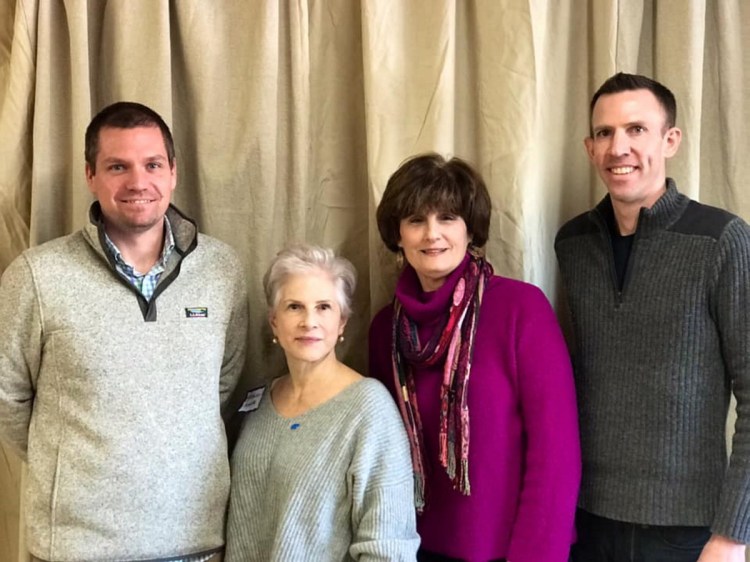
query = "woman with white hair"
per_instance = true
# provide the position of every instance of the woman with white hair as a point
(322, 467)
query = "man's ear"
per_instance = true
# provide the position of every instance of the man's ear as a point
(173, 170)
(588, 144)
(89, 177)
(672, 140)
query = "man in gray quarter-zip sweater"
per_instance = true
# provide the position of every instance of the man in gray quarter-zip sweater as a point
(118, 346)
(659, 293)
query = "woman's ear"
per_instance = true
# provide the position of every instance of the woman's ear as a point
(272, 320)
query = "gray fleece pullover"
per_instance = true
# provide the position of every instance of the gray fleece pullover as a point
(655, 364)
(115, 402)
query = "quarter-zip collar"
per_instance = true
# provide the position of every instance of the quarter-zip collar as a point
(667, 209)
(185, 233)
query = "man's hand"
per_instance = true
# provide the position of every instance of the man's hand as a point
(722, 549)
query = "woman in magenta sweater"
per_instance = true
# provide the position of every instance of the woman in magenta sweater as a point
(481, 374)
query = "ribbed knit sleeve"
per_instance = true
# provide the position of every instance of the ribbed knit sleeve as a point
(731, 306)
(655, 362)
(382, 484)
(20, 353)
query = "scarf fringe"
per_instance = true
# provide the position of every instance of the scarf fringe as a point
(419, 489)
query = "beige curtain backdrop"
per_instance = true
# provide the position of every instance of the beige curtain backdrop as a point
(289, 117)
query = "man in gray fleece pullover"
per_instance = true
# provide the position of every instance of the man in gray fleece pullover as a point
(118, 346)
(659, 294)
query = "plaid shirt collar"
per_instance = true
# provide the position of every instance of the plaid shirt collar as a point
(144, 282)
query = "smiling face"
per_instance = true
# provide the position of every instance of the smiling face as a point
(434, 243)
(133, 181)
(307, 317)
(630, 145)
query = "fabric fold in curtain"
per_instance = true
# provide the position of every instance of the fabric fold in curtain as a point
(289, 117)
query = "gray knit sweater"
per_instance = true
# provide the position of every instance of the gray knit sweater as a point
(655, 364)
(332, 484)
(115, 400)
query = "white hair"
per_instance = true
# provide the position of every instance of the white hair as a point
(304, 258)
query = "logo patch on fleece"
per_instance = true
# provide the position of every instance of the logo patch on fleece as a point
(196, 312)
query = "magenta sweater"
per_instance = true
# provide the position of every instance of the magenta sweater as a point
(524, 459)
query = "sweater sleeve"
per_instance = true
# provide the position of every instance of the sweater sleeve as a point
(544, 524)
(236, 338)
(731, 310)
(381, 484)
(20, 353)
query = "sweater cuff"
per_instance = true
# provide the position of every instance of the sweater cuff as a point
(733, 516)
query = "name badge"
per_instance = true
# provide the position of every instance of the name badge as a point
(252, 400)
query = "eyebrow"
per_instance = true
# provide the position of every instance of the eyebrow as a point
(295, 301)
(116, 159)
(639, 123)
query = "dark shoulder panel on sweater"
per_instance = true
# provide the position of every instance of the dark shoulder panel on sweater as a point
(702, 220)
(578, 226)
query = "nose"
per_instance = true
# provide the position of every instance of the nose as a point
(619, 144)
(136, 178)
(432, 230)
(308, 320)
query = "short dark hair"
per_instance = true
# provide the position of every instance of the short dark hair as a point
(125, 115)
(622, 82)
(429, 182)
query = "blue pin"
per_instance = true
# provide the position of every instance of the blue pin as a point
(294, 426)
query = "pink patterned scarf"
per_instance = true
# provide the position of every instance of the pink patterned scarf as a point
(453, 341)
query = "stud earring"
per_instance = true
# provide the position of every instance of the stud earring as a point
(274, 340)
(341, 339)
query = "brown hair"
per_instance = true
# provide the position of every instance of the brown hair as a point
(622, 82)
(125, 115)
(430, 183)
